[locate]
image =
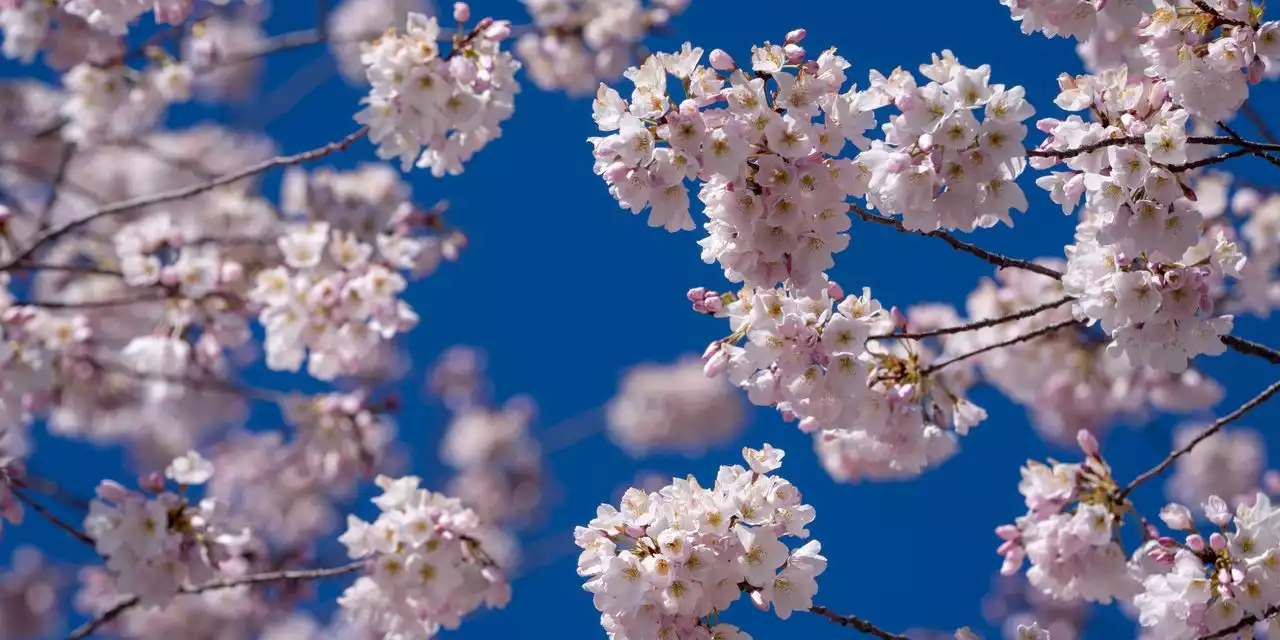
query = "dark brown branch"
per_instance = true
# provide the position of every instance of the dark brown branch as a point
(1248, 347)
(1064, 154)
(84, 630)
(979, 324)
(1000, 345)
(1261, 154)
(1244, 623)
(856, 623)
(999, 260)
(1201, 437)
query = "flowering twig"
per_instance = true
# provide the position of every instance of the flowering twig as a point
(185, 192)
(999, 345)
(856, 623)
(1212, 160)
(1200, 437)
(1111, 142)
(997, 259)
(979, 324)
(1244, 623)
(84, 630)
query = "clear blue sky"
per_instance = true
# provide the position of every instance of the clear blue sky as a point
(543, 229)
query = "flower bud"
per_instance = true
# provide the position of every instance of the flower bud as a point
(1217, 541)
(794, 53)
(1178, 517)
(722, 61)
(1195, 542)
(1088, 443)
(499, 30)
(461, 12)
(796, 35)
(696, 294)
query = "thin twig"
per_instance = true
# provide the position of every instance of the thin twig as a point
(960, 245)
(979, 324)
(1212, 160)
(1261, 154)
(1000, 345)
(1200, 437)
(15, 488)
(84, 630)
(184, 192)
(1259, 123)
(60, 174)
(856, 623)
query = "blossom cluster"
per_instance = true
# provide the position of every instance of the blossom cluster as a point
(428, 566)
(1069, 534)
(578, 43)
(663, 562)
(772, 183)
(437, 110)
(336, 298)
(673, 406)
(1202, 584)
(1129, 268)
(115, 16)
(155, 544)
(1064, 378)
(877, 408)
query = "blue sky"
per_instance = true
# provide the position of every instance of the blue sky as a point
(544, 231)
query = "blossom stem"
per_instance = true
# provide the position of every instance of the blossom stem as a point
(979, 324)
(999, 345)
(132, 204)
(1248, 347)
(856, 623)
(84, 630)
(1201, 437)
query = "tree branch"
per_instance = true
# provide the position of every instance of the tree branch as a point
(1063, 154)
(185, 192)
(15, 488)
(856, 623)
(1244, 623)
(1248, 347)
(999, 345)
(1259, 123)
(997, 259)
(84, 630)
(1201, 437)
(979, 324)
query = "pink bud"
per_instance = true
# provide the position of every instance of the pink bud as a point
(899, 320)
(1271, 480)
(794, 53)
(1195, 542)
(926, 141)
(230, 272)
(835, 291)
(796, 35)
(152, 482)
(169, 277)
(461, 12)
(696, 294)
(1166, 541)
(1177, 517)
(722, 61)
(713, 304)
(499, 30)
(1008, 532)
(111, 491)
(758, 600)
(1088, 443)
(1217, 541)
(5, 213)
(1256, 69)
(715, 360)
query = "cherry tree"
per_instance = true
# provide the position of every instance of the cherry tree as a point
(149, 271)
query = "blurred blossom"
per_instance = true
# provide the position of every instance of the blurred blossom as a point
(1229, 465)
(29, 596)
(674, 407)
